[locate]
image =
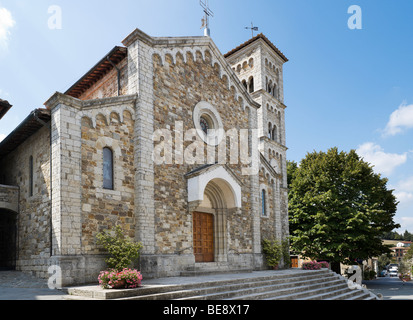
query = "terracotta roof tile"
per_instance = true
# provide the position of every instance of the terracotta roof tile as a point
(260, 36)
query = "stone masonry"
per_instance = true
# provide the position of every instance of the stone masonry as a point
(162, 83)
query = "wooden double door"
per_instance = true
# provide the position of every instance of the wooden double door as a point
(203, 225)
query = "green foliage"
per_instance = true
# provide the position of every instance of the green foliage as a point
(369, 275)
(273, 251)
(339, 208)
(285, 251)
(383, 261)
(409, 254)
(122, 251)
(393, 235)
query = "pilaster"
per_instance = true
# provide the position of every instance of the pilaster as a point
(141, 82)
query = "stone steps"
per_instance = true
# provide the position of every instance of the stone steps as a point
(285, 285)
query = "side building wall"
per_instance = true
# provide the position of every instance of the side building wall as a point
(81, 206)
(33, 216)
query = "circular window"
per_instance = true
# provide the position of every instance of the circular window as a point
(208, 123)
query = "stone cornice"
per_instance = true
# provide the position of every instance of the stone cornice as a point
(267, 95)
(60, 98)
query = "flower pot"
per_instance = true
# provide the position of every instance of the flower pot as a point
(275, 267)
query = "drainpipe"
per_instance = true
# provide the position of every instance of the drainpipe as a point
(118, 71)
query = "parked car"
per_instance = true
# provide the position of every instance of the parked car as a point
(393, 273)
(392, 266)
(383, 273)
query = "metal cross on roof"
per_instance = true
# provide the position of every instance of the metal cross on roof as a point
(208, 13)
(252, 29)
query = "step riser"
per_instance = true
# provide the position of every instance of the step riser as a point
(241, 285)
(276, 288)
(240, 290)
(149, 291)
(316, 285)
(292, 293)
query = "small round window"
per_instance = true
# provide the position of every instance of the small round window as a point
(208, 123)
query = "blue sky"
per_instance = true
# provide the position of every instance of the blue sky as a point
(352, 89)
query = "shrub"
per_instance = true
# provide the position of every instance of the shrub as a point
(122, 250)
(312, 265)
(273, 252)
(324, 265)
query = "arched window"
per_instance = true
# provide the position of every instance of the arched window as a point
(274, 133)
(275, 91)
(107, 169)
(270, 131)
(263, 203)
(251, 85)
(31, 177)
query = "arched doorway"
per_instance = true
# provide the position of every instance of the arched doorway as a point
(212, 192)
(210, 222)
(8, 239)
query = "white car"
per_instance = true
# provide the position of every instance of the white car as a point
(393, 273)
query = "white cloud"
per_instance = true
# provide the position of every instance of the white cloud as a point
(406, 224)
(6, 23)
(400, 120)
(406, 184)
(2, 137)
(383, 163)
(404, 192)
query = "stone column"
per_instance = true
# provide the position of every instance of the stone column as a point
(66, 190)
(141, 82)
(277, 209)
(221, 242)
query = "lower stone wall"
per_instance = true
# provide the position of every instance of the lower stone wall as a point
(9, 198)
(159, 266)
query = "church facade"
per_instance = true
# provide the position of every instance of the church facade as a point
(180, 145)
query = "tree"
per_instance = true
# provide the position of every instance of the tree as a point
(383, 261)
(339, 208)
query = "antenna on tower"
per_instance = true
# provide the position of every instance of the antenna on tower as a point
(208, 13)
(252, 29)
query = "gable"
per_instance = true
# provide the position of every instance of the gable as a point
(170, 48)
(225, 179)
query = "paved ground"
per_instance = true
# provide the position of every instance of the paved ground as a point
(391, 288)
(16, 285)
(19, 286)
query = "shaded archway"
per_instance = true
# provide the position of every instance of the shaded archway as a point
(213, 213)
(8, 239)
(213, 192)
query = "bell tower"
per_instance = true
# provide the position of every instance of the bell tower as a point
(258, 64)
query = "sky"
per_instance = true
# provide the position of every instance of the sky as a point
(348, 82)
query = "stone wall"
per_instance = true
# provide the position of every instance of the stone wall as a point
(81, 207)
(179, 84)
(34, 220)
(102, 209)
(9, 198)
(108, 86)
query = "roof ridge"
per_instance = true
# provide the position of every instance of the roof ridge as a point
(257, 37)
